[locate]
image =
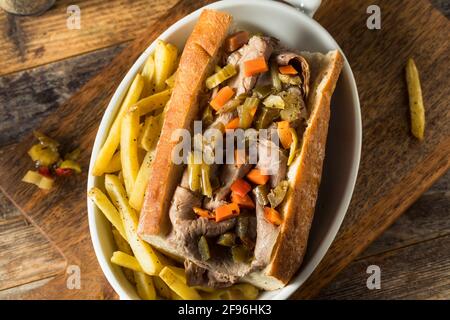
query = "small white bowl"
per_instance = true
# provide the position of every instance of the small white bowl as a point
(296, 30)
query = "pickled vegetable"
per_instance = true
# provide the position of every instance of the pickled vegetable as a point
(290, 80)
(262, 92)
(277, 194)
(70, 164)
(293, 147)
(207, 116)
(227, 239)
(46, 141)
(260, 193)
(274, 101)
(217, 78)
(265, 116)
(44, 155)
(206, 183)
(203, 249)
(232, 104)
(246, 112)
(195, 173)
(276, 82)
(240, 254)
(292, 110)
(37, 179)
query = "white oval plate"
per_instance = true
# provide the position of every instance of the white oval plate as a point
(296, 30)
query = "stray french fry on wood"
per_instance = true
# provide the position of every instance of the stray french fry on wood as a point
(416, 106)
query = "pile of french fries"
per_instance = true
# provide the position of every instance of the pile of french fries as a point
(124, 160)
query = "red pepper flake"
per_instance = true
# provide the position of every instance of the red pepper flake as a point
(63, 172)
(45, 171)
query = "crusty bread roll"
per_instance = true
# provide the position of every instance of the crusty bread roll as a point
(289, 246)
(197, 61)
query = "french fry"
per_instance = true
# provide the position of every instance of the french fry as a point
(113, 139)
(170, 81)
(150, 132)
(177, 285)
(114, 165)
(144, 285)
(123, 246)
(154, 102)
(148, 73)
(108, 209)
(137, 194)
(165, 63)
(162, 289)
(416, 106)
(125, 260)
(142, 251)
(129, 148)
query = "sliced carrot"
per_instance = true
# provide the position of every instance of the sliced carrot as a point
(284, 132)
(235, 41)
(241, 187)
(255, 66)
(233, 124)
(256, 176)
(203, 213)
(272, 216)
(243, 201)
(222, 97)
(227, 211)
(287, 70)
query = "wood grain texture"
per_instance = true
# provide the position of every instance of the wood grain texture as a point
(394, 170)
(421, 271)
(27, 42)
(33, 94)
(26, 254)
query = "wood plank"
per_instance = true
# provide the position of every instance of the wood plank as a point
(27, 42)
(26, 255)
(23, 106)
(426, 219)
(419, 271)
(383, 191)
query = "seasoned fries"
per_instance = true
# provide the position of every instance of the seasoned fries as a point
(148, 73)
(129, 148)
(137, 194)
(144, 286)
(153, 102)
(125, 260)
(114, 165)
(416, 106)
(112, 141)
(108, 209)
(165, 63)
(177, 285)
(150, 132)
(143, 252)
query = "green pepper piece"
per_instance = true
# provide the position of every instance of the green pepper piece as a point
(260, 193)
(227, 239)
(203, 249)
(277, 194)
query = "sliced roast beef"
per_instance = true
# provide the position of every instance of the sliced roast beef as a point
(266, 236)
(272, 161)
(199, 276)
(229, 174)
(257, 46)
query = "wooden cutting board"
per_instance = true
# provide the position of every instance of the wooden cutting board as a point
(395, 168)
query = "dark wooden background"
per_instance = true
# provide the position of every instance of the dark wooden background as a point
(43, 64)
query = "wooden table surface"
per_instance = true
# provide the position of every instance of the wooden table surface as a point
(44, 63)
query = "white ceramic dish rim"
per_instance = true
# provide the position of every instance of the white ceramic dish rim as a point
(110, 113)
